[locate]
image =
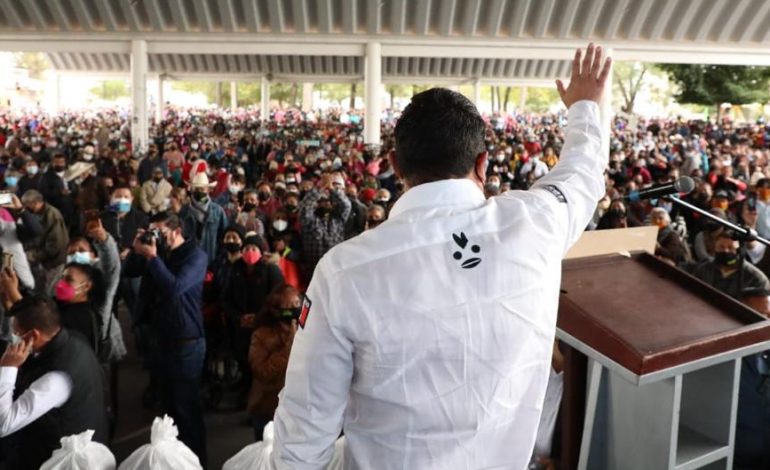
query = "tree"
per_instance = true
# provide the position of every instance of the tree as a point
(396, 91)
(629, 77)
(35, 63)
(111, 90)
(713, 85)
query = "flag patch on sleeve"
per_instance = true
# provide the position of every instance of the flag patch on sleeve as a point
(556, 192)
(305, 311)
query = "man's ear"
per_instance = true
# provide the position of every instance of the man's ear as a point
(394, 163)
(480, 168)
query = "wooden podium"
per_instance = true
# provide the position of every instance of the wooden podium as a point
(652, 365)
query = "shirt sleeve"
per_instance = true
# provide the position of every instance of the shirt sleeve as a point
(310, 412)
(574, 186)
(50, 391)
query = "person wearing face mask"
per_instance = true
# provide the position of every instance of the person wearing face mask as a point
(209, 218)
(668, 245)
(173, 269)
(50, 385)
(232, 243)
(155, 192)
(88, 153)
(763, 202)
(248, 216)
(356, 222)
(11, 181)
(252, 278)
(323, 213)
(148, 165)
(46, 251)
(31, 177)
(73, 293)
(229, 200)
(192, 166)
(722, 272)
(375, 216)
(269, 349)
(267, 203)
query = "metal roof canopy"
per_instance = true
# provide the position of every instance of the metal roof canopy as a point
(496, 41)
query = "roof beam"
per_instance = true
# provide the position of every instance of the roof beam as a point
(155, 14)
(37, 16)
(446, 17)
(84, 16)
(685, 22)
(203, 15)
(132, 19)
(325, 15)
(662, 20)
(300, 16)
(756, 19)
(107, 16)
(737, 9)
(373, 16)
(53, 58)
(9, 7)
(252, 17)
(472, 10)
(495, 17)
(275, 10)
(519, 17)
(570, 11)
(546, 10)
(593, 17)
(422, 17)
(621, 8)
(180, 16)
(708, 22)
(59, 15)
(398, 17)
(349, 17)
(227, 12)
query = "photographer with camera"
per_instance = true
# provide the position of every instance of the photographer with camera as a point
(172, 271)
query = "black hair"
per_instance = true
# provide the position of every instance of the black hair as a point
(438, 136)
(36, 312)
(167, 218)
(750, 292)
(98, 291)
(88, 241)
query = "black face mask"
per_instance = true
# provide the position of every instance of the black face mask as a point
(232, 247)
(289, 314)
(59, 169)
(322, 211)
(617, 213)
(263, 196)
(290, 207)
(248, 207)
(727, 260)
(200, 196)
(373, 223)
(157, 179)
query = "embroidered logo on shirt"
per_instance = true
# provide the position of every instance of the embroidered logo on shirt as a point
(462, 242)
(305, 311)
(556, 192)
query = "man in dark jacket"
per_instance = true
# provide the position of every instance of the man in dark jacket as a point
(173, 271)
(149, 163)
(50, 386)
(46, 253)
(56, 190)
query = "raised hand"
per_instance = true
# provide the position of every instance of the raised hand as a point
(588, 78)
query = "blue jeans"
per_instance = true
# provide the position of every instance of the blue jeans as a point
(180, 369)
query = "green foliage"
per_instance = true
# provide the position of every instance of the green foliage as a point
(539, 100)
(111, 90)
(716, 84)
(36, 63)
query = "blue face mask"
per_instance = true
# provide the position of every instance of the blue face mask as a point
(121, 205)
(79, 257)
(32, 170)
(11, 180)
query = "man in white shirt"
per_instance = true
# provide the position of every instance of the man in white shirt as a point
(50, 385)
(428, 339)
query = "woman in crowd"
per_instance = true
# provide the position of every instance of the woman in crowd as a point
(269, 354)
(252, 278)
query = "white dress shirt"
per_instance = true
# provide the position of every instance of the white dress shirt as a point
(50, 391)
(425, 363)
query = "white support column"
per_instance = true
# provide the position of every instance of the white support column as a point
(160, 101)
(233, 96)
(264, 103)
(139, 133)
(57, 97)
(307, 97)
(605, 111)
(477, 93)
(372, 85)
(523, 98)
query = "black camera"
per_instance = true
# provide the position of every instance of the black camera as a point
(147, 237)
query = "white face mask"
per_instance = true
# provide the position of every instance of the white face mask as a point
(88, 157)
(280, 225)
(194, 146)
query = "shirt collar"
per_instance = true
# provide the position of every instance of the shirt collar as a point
(450, 192)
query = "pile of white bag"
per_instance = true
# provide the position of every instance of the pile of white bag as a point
(257, 456)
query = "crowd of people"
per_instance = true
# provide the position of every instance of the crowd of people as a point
(208, 238)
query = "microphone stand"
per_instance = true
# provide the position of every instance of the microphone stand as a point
(743, 233)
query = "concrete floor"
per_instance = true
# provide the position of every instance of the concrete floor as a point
(226, 433)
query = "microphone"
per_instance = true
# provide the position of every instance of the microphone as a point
(684, 184)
